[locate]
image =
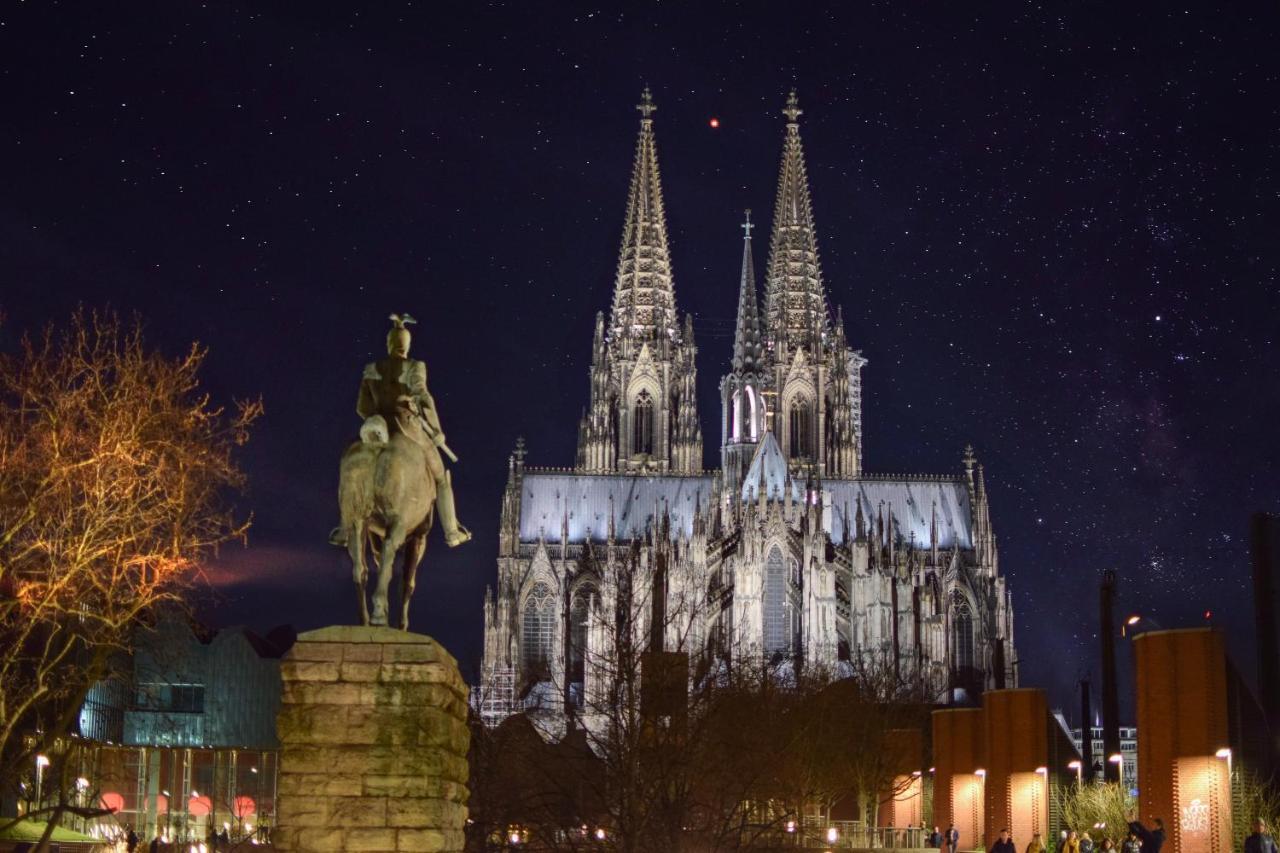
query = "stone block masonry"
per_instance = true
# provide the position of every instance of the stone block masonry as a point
(373, 744)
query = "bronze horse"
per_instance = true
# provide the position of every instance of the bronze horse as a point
(387, 501)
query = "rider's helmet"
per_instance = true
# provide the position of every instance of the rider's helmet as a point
(398, 338)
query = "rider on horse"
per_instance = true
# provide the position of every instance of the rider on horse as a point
(394, 398)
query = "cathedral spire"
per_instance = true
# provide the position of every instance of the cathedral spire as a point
(747, 345)
(796, 302)
(644, 295)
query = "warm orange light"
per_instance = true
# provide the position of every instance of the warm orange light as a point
(1042, 770)
(1133, 620)
(1225, 752)
(979, 772)
(1074, 765)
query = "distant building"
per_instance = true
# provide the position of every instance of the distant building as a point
(1128, 751)
(185, 743)
(790, 552)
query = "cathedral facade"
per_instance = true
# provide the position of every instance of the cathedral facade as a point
(790, 553)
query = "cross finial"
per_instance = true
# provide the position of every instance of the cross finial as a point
(747, 226)
(792, 110)
(646, 105)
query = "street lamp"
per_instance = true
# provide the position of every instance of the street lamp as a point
(1225, 752)
(42, 761)
(1118, 760)
(1079, 768)
(982, 798)
(1043, 773)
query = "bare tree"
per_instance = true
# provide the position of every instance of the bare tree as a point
(115, 471)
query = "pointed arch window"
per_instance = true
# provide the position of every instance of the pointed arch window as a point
(801, 429)
(962, 646)
(777, 631)
(538, 621)
(579, 613)
(735, 409)
(642, 434)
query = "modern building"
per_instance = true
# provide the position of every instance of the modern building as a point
(186, 742)
(790, 552)
(1128, 753)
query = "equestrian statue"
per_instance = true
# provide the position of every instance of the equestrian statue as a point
(392, 481)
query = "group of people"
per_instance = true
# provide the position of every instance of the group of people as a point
(1139, 839)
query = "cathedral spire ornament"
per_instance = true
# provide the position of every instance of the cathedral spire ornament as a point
(644, 291)
(796, 299)
(792, 110)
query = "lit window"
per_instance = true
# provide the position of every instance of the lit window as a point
(776, 628)
(538, 620)
(642, 438)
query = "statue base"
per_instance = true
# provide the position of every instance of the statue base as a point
(373, 744)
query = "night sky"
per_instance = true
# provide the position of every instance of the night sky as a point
(1053, 232)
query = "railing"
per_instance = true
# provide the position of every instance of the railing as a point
(854, 834)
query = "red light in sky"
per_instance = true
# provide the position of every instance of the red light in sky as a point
(715, 122)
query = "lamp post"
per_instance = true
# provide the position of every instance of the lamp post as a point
(1043, 773)
(1225, 752)
(42, 761)
(1079, 768)
(982, 801)
(1117, 759)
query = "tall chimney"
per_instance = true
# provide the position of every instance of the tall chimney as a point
(1265, 530)
(1110, 696)
(1086, 730)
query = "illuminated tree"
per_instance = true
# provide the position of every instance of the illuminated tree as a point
(115, 474)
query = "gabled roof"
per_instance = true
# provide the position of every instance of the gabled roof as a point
(769, 467)
(586, 500)
(910, 500)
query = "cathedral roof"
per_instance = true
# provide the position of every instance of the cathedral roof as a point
(769, 467)
(910, 500)
(587, 500)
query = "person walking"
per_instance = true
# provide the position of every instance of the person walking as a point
(1260, 841)
(935, 838)
(1036, 844)
(952, 839)
(1004, 843)
(131, 842)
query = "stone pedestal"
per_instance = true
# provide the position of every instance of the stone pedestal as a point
(373, 744)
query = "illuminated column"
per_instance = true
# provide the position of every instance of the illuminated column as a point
(902, 804)
(1183, 748)
(1017, 740)
(959, 753)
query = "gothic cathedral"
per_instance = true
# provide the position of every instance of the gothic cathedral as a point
(790, 554)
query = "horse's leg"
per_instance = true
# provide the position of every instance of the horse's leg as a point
(414, 548)
(391, 543)
(359, 571)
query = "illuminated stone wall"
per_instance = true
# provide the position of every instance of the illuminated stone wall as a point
(373, 744)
